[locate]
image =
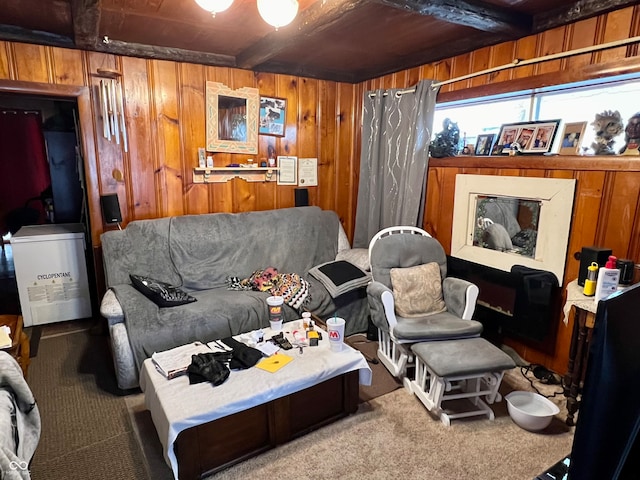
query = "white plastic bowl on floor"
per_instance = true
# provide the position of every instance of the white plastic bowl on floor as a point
(530, 410)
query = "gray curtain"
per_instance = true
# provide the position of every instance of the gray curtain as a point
(396, 132)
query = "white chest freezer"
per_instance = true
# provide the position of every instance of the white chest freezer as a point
(51, 271)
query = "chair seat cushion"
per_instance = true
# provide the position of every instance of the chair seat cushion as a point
(439, 326)
(468, 356)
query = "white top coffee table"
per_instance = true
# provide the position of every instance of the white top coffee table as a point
(268, 407)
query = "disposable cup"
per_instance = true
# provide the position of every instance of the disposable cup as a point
(276, 325)
(275, 312)
(335, 332)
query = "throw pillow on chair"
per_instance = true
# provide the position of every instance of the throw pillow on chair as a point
(417, 291)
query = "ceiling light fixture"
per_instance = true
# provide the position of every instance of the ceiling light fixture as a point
(276, 13)
(214, 6)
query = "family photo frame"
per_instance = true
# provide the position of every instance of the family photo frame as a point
(531, 137)
(272, 116)
(484, 144)
(572, 137)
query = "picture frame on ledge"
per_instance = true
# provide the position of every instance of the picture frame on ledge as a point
(484, 144)
(273, 114)
(533, 137)
(571, 138)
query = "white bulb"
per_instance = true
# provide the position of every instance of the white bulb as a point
(214, 6)
(278, 12)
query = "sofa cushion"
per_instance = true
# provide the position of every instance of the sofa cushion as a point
(206, 249)
(141, 248)
(417, 291)
(160, 293)
(358, 256)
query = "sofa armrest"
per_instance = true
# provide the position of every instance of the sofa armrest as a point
(460, 297)
(123, 360)
(111, 309)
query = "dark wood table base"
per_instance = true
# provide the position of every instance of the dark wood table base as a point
(213, 446)
(578, 353)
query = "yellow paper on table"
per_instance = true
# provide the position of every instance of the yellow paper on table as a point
(274, 362)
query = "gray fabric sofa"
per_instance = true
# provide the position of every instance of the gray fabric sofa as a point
(198, 253)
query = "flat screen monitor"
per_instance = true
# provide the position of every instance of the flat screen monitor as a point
(606, 443)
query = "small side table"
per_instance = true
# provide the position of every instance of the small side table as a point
(20, 348)
(584, 309)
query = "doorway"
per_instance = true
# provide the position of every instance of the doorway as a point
(52, 189)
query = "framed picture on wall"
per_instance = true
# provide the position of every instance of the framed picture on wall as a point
(532, 137)
(571, 139)
(484, 144)
(272, 116)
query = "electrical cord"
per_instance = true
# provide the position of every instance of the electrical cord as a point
(549, 376)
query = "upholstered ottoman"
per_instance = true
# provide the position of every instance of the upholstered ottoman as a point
(469, 368)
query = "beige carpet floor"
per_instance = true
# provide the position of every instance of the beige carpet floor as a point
(394, 436)
(91, 431)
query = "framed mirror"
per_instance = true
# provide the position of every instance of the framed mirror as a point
(232, 119)
(505, 221)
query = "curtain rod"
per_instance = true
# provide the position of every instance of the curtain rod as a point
(18, 111)
(519, 63)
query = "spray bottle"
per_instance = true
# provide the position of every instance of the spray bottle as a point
(608, 277)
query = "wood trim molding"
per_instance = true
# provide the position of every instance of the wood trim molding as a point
(551, 162)
(16, 86)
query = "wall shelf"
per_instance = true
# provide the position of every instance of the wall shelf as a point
(224, 174)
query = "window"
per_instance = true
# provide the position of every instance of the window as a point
(571, 103)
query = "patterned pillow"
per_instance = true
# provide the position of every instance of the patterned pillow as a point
(160, 293)
(417, 291)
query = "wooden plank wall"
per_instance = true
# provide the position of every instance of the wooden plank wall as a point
(165, 116)
(607, 200)
(617, 25)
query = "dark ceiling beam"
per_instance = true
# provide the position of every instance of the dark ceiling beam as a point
(23, 35)
(313, 20)
(86, 22)
(579, 10)
(117, 47)
(479, 15)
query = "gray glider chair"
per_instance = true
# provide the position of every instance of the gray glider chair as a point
(416, 264)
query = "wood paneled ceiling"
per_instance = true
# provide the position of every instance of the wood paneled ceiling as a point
(341, 40)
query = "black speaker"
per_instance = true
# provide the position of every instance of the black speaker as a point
(626, 271)
(302, 197)
(110, 208)
(591, 254)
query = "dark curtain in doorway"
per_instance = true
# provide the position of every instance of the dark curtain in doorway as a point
(24, 170)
